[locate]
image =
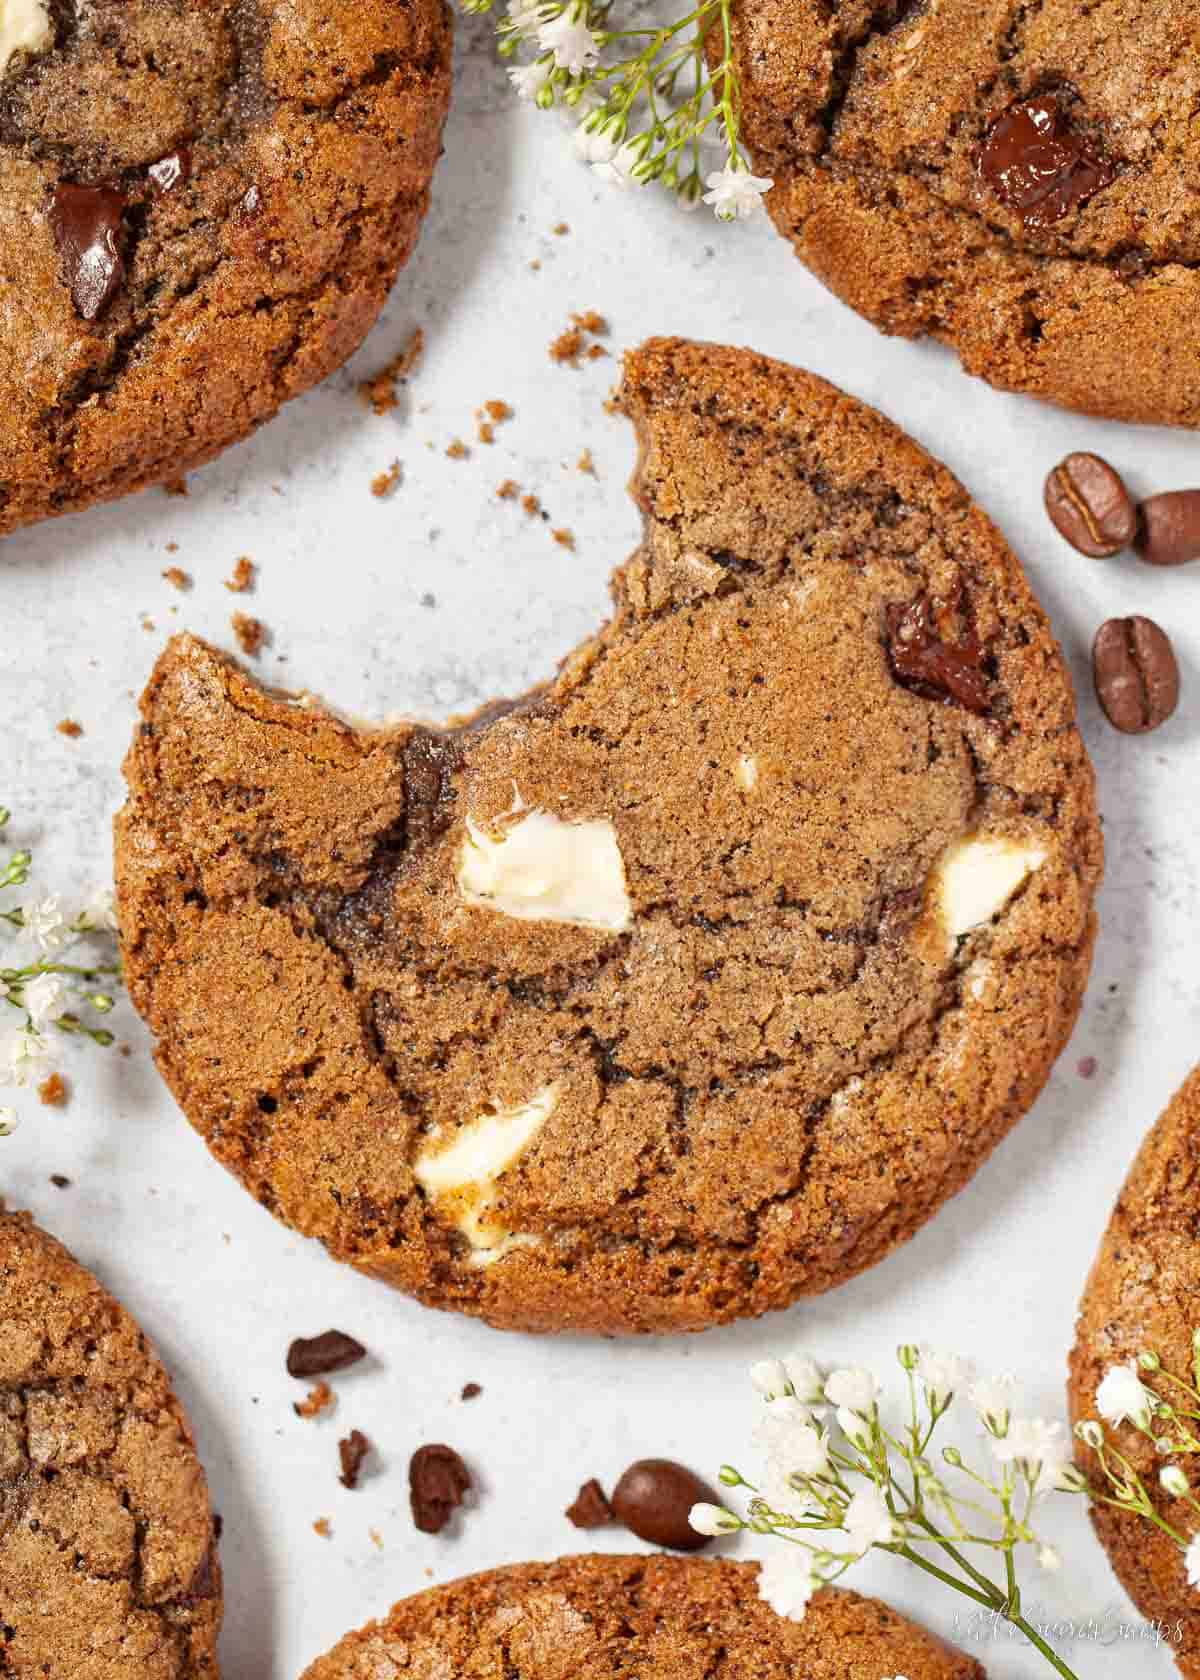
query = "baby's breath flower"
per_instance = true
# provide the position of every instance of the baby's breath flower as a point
(1039, 1450)
(1049, 1559)
(868, 1522)
(1123, 1396)
(787, 1583)
(46, 1000)
(713, 1520)
(99, 914)
(944, 1375)
(8, 1122)
(45, 924)
(852, 1387)
(992, 1398)
(734, 193)
(1173, 1481)
(575, 47)
(21, 1054)
(530, 79)
(854, 1428)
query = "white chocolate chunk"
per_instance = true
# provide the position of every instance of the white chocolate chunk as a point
(541, 869)
(459, 1174)
(25, 27)
(745, 772)
(975, 879)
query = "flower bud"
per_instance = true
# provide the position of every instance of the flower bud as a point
(909, 1356)
(1173, 1481)
(1090, 1433)
(1149, 1361)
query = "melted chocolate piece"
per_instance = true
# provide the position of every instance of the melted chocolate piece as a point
(935, 669)
(87, 224)
(1037, 164)
(171, 171)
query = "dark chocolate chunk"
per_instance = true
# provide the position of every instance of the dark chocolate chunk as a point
(87, 224)
(352, 1451)
(1039, 164)
(471, 1391)
(590, 1508)
(929, 666)
(316, 1356)
(437, 1482)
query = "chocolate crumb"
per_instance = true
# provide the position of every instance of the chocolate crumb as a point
(590, 1508)
(437, 1482)
(60, 1181)
(318, 1356)
(384, 483)
(318, 1399)
(352, 1451)
(380, 393)
(53, 1090)
(243, 576)
(250, 632)
(175, 575)
(1087, 1067)
(70, 729)
(471, 1391)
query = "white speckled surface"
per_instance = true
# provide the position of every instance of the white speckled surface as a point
(431, 602)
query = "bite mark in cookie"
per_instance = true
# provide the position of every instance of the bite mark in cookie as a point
(646, 1001)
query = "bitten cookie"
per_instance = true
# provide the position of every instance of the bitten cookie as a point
(1144, 1295)
(691, 983)
(1021, 181)
(202, 208)
(674, 1618)
(108, 1554)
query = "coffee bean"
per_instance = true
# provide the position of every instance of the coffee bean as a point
(1169, 528)
(438, 1480)
(653, 1499)
(590, 1508)
(1136, 676)
(1089, 505)
(316, 1356)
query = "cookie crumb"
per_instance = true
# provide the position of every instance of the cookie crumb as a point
(319, 1356)
(591, 321)
(385, 482)
(531, 505)
(60, 1181)
(243, 576)
(70, 729)
(323, 1527)
(376, 1538)
(509, 490)
(585, 464)
(53, 1090)
(250, 632)
(567, 347)
(471, 1391)
(564, 538)
(457, 450)
(595, 351)
(570, 345)
(590, 1507)
(176, 487)
(351, 1453)
(1087, 1067)
(172, 548)
(319, 1399)
(560, 228)
(381, 393)
(175, 575)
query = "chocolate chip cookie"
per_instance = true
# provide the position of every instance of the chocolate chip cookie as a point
(202, 208)
(694, 981)
(1143, 1295)
(673, 1618)
(108, 1557)
(1021, 181)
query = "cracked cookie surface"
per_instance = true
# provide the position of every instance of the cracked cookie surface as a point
(691, 983)
(202, 208)
(1059, 255)
(1143, 1295)
(108, 1558)
(600, 1618)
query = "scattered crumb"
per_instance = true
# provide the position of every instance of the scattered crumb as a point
(70, 729)
(509, 490)
(570, 345)
(351, 1452)
(536, 264)
(319, 1399)
(147, 623)
(531, 505)
(590, 1508)
(491, 415)
(380, 393)
(1087, 1067)
(457, 450)
(53, 1090)
(323, 1527)
(564, 538)
(172, 548)
(176, 487)
(560, 228)
(595, 351)
(591, 322)
(243, 576)
(376, 1537)
(428, 600)
(60, 1181)
(567, 347)
(471, 1391)
(175, 575)
(585, 464)
(498, 410)
(385, 482)
(250, 632)
(486, 432)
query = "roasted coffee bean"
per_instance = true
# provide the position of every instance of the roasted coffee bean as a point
(1039, 164)
(931, 667)
(316, 1356)
(1169, 528)
(87, 225)
(352, 1451)
(1136, 676)
(1089, 505)
(653, 1500)
(590, 1508)
(438, 1480)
